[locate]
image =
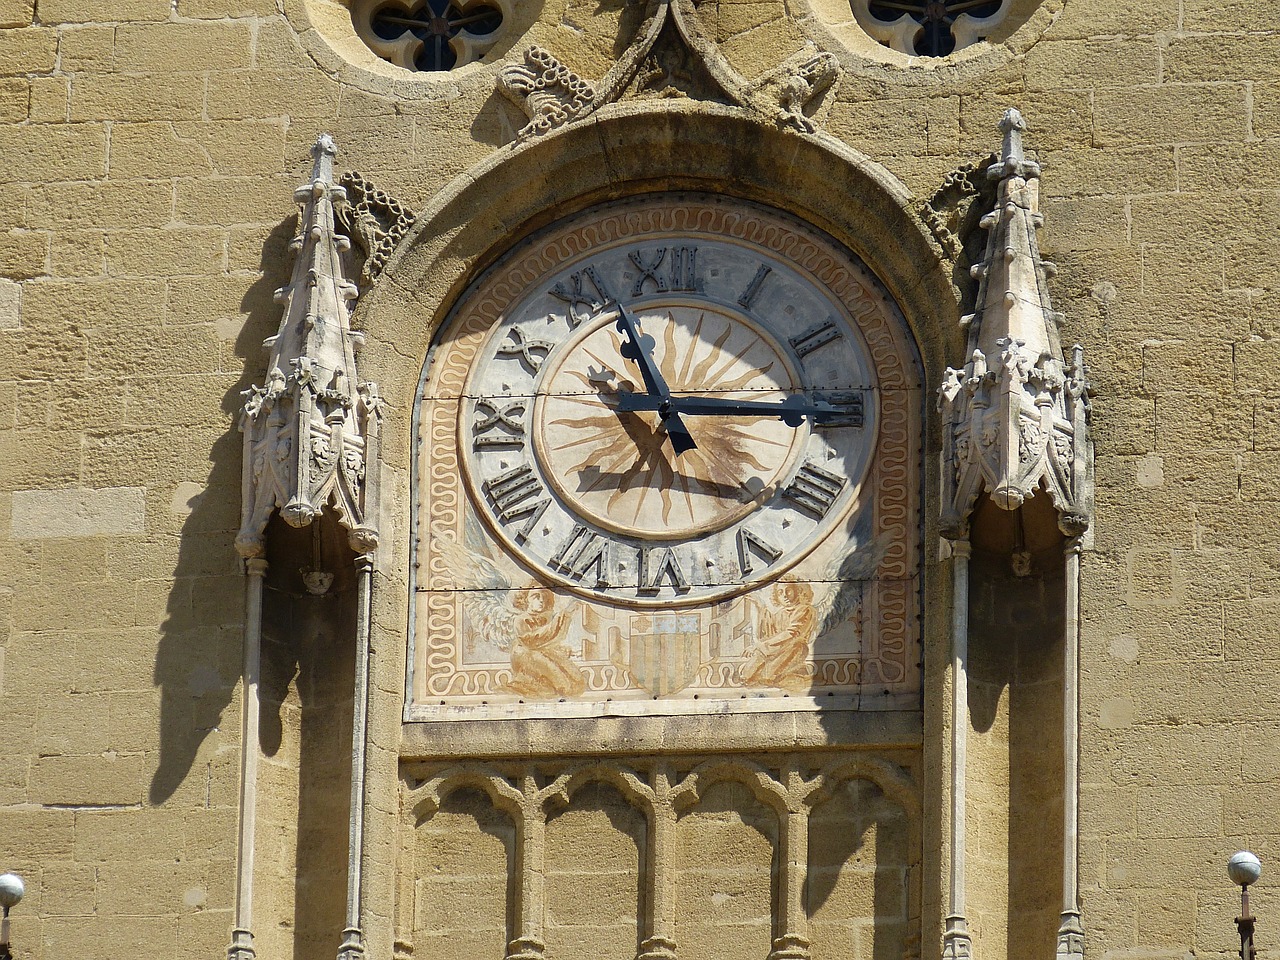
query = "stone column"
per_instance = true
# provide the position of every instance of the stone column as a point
(242, 934)
(352, 947)
(659, 924)
(531, 828)
(792, 942)
(956, 941)
(1071, 931)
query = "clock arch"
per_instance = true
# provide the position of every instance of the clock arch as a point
(483, 214)
(625, 151)
(524, 599)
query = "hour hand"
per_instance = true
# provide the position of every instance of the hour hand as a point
(638, 348)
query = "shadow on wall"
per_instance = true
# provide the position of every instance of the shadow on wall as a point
(859, 853)
(307, 672)
(1016, 624)
(200, 656)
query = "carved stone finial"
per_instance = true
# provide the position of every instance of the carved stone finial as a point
(1013, 161)
(1012, 126)
(547, 91)
(324, 147)
(1017, 414)
(309, 441)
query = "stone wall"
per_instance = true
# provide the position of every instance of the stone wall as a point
(150, 151)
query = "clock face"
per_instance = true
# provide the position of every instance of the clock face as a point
(596, 498)
(619, 471)
(558, 486)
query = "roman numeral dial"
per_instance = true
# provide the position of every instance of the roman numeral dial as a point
(569, 413)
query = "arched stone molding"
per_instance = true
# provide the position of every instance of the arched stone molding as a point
(425, 799)
(622, 150)
(631, 148)
(891, 779)
(774, 794)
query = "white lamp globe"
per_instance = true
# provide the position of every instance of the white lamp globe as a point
(1244, 868)
(11, 889)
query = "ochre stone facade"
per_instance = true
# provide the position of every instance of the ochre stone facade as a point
(151, 150)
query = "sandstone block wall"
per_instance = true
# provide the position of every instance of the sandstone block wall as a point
(150, 149)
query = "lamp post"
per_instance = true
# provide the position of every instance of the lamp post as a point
(11, 890)
(1244, 868)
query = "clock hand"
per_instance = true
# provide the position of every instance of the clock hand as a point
(638, 348)
(790, 411)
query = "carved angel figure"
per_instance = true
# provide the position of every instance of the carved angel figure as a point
(797, 617)
(781, 652)
(521, 621)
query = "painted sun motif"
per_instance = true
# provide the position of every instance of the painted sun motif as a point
(619, 469)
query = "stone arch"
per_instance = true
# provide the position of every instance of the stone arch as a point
(861, 892)
(474, 902)
(767, 791)
(596, 833)
(629, 149)
(625, 150)
(426, 798)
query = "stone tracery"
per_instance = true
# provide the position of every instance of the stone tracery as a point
(665, 791)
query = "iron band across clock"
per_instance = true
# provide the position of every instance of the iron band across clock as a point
(653, 417)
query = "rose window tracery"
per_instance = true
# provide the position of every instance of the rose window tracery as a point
(429, 35)
(929, 28)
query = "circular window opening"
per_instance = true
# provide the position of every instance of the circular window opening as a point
(929, 28)
(429, 35)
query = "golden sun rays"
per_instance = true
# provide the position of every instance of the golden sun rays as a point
(621, 464)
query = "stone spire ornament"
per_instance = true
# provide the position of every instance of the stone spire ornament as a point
(311, 433)
(1015, 416)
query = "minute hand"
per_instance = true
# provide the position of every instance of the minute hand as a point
(791, 411)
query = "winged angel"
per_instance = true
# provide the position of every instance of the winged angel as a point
(795, 619)
(521, 621)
